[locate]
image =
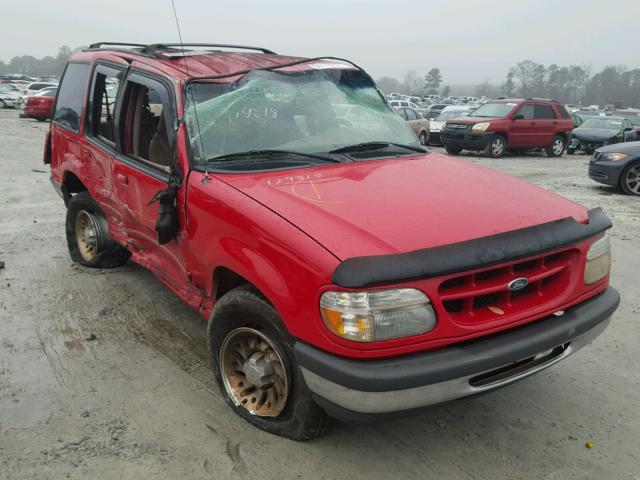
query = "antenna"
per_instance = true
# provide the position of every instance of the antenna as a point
(190, 92)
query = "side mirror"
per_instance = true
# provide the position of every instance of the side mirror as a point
(518, 116)
(628, 129)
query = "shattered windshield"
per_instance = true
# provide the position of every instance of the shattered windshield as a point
(313, 111)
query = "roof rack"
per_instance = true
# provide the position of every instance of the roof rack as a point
(153, 48)
(95, 46)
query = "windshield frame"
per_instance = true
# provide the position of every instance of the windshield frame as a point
(187, 97)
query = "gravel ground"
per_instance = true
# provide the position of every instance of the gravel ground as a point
(103, 374)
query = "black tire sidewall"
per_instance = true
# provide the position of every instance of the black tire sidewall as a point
(109, 258)
(550, 152)
(301, 418)
(452, 150)
(623, 179)
(489, 148)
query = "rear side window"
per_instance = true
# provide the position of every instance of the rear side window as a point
(563, 111)
(106, 83)
(544, 112)
(71, 95)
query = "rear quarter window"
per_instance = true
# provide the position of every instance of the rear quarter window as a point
(71, 96)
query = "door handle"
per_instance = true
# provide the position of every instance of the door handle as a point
(122, 179)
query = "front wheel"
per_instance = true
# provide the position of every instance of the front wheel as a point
(424, 139)
(497, 147)
(256, 370)
(630, 179)
(557, 147)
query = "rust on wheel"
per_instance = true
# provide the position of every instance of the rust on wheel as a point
(86, 235)
(253, 372)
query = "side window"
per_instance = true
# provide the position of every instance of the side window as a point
(145, 118)
(544, 112)
(106, 83)
(403, 113)
(526, 111)
(412, 115)
(71, 96)
(563, 111)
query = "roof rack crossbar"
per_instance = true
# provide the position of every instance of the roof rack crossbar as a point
(151, 49)
(118, 44)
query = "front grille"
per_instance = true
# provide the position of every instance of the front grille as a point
(485, 295)
(456, 126)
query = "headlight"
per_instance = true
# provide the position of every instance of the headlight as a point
(480, 127)
(614, 157)
(377, 315)
(598, 263)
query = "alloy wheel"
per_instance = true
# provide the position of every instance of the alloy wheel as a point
(497, 147)
(632, 179)
(253, 372)
(558, 146)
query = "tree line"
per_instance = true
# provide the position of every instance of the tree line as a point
(38, 67)
(576, 84)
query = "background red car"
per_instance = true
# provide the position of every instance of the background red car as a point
(40, 106)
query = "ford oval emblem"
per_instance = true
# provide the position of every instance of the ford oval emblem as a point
(518, 284)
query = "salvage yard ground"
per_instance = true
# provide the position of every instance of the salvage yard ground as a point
(104, 375)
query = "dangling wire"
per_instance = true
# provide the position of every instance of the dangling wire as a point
(188, 91)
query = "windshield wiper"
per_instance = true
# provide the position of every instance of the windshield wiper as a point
(270, 152)
(376, 145)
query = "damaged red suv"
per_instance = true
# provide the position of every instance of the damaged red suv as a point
(343, 269)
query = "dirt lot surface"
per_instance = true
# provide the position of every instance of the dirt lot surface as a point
(103, 374)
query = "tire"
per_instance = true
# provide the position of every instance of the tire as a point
(556, 148)
(571, 151)
(450, 149)
(240, 315)
(3, 104)
(496, 147)
(88, 237)
(630, 179)
(424, 138)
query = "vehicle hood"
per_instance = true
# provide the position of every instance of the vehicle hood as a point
(435, 126)
(594, 134)
(630, 148)
(473, 120)
(399, 205)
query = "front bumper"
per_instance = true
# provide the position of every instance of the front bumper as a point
(368, 390)
(465, 139)
(606, 172)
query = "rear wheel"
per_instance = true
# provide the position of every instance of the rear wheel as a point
(630, 179)
(571, 150)
(452, 150)
(3, 104)
(88, 236)
(557, 147)
(496, 147)
(423, 138)
(256, 370)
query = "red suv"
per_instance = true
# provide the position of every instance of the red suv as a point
(510, 124)
(343, 269)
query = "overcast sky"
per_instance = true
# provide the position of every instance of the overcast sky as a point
(469, 40)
